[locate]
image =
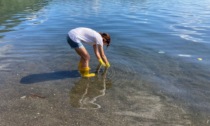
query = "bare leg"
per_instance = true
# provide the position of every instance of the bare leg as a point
(85, 57)
(84, 62)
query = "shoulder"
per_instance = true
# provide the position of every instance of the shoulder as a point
(83, 29)
(99, 39)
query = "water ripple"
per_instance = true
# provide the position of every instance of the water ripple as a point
(3, 51)
(150, 40)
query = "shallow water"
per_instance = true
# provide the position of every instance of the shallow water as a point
(159, 58)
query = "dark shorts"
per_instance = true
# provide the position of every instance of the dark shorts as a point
(74, 44)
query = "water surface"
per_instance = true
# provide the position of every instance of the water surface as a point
(159, 58)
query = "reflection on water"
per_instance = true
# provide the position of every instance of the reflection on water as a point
(159, 56)
(14, 12)
(13, 15)
(87, 91)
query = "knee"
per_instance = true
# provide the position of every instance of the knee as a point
(86, 57)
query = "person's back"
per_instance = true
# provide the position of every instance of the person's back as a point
(86, 35)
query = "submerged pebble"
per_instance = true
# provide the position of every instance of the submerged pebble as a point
(23, 97)
(200, 59)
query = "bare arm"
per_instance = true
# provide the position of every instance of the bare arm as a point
(96, 52)
(99, 52)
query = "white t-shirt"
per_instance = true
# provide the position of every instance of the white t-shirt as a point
(85, 35)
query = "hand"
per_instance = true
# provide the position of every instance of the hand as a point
(101, 62)
(107, 65)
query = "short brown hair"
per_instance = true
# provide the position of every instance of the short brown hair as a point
(106, 38)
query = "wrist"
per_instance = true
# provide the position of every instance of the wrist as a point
(107, 64)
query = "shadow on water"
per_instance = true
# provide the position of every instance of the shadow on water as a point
(86, 91)
(35, 78)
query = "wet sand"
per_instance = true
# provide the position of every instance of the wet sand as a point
(71, 100)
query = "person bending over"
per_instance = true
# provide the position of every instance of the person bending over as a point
(81, 35)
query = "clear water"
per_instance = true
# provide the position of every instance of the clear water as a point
(159, 59)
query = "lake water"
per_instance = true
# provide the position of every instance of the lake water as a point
(159, 58)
